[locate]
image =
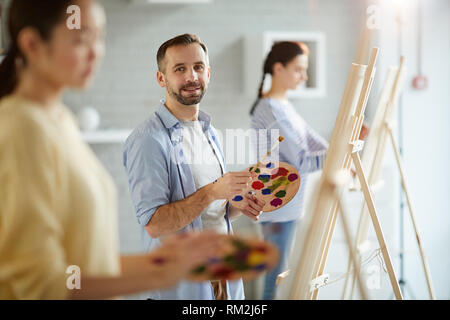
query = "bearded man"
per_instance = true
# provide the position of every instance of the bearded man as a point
(176, 169)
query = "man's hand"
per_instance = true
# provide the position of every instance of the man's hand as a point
(174, 216)
(230, 184)
(254, 207)
(252, 210)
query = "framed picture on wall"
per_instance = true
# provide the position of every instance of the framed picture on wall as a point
(257, 48)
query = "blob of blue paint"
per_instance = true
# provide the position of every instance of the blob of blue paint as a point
(214, 260)
(238, 198)
(260, 267)
(270, 165)
(266, 191)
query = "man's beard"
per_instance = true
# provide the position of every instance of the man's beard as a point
(190, 100)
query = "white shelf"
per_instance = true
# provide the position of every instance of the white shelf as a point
(106, 136)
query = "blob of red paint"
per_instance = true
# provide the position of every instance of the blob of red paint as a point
(223, 272)
(276, 202)
(158, 260)
(261, 249)
(279, 172)
(257, 185)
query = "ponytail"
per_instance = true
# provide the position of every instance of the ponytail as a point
(8, 73)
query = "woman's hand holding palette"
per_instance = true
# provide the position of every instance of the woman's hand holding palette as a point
(238, 258)
(276, 183)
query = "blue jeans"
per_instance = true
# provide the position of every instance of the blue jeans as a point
(280, 234)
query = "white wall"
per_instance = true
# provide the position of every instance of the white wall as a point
(426, 140)
(426, 118)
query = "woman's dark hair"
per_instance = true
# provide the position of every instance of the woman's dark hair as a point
(43, 15)
(283, 52)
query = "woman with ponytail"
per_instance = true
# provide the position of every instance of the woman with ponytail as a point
(58, 228)
(302, 147)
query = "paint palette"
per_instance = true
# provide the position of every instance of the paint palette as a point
(238, 258)
(274, 182)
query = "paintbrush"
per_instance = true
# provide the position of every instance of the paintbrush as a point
(280, 138)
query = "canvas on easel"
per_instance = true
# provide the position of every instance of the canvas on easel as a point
(343, 151)
(370, 152)
(374, 151)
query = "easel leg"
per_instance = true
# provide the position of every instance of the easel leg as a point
(408, 200)
(351, 249)
(329, 231)
(325, 246)
(302, 275)
(376, 225)
(347, 278)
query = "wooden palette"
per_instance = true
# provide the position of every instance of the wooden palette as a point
(238, 258)
(274, 182)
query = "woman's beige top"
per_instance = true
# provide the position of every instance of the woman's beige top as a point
(57, 204)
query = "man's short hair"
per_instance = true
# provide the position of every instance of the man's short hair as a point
(184, 39)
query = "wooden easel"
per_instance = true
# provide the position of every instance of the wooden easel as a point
(343, 151)
(372, 161)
